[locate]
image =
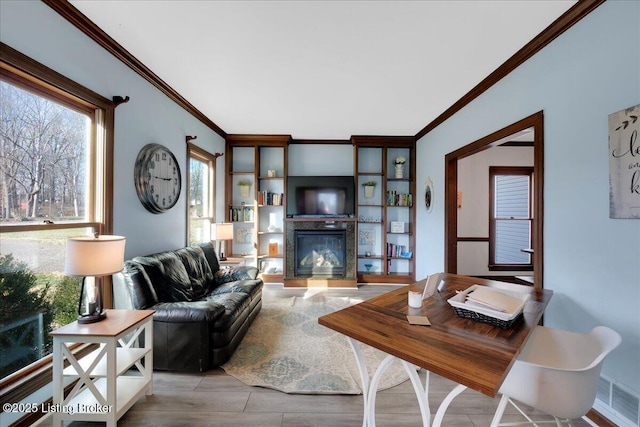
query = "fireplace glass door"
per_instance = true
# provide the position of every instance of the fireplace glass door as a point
(320, 253)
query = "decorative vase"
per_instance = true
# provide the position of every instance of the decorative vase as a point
(245, 190)
(368, 191)
(272, 228)
(399, 170)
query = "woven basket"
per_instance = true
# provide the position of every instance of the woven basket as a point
(479, 317)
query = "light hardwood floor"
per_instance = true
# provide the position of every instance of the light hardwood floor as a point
(217, 399)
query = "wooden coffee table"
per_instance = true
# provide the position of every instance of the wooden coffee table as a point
(474, 355)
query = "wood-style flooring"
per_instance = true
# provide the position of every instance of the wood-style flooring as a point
(217, 399)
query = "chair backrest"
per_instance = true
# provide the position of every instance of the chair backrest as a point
(557, 371)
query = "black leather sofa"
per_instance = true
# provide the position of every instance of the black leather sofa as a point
(201, 311)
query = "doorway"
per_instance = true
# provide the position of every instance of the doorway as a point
(534, 122)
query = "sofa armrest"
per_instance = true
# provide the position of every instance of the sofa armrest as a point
(240, 272)
(192, 311)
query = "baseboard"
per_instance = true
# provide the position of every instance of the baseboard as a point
(600, 419)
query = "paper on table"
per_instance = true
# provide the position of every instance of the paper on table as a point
(419, 320)
(494, 299)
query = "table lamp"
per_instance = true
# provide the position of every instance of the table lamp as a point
(91, 257)
(221, 232)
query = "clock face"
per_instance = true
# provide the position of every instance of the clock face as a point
(157, 178)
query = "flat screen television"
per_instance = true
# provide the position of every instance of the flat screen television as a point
(322, 196)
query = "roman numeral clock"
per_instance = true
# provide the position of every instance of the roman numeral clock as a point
(157, 178)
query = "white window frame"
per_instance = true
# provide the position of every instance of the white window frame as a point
(500, 171)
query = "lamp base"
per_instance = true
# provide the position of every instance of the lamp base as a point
(92, 318)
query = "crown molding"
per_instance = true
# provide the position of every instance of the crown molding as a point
(581, 9)
(95, 33)
(578, 11)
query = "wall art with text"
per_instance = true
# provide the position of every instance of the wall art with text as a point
(624, 163)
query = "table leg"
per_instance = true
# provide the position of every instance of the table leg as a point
(437, 421)
(421, 394)
(364, 377)
(373, 389)
(369, 390)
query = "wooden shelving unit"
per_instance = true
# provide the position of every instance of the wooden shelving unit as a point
(379, 247)
(262, 160)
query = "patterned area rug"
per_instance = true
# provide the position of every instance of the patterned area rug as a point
(286, 349)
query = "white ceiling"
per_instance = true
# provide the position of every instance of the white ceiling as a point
(322, 69)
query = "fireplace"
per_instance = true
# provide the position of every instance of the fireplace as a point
(320, 253)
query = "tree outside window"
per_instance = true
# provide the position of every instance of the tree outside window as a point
(43, 164)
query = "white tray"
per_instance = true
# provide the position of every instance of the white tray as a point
(460, 298)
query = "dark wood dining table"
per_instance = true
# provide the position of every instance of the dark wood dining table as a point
(474, 355)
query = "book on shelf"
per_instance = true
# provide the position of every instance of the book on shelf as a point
(241, 214)
(270, 198)
(395, 198)
(398, 251)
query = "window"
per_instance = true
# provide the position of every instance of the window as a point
(56, 161)
(201, 194)
(45, 150)
(510, 218)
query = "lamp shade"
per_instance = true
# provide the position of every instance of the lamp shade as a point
(222, 231)
(94, 256)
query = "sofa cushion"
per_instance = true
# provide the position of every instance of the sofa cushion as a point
(193, 311)
(137, 282)
(250, 287)
(210, 255)
(236, 304)
(197, 269)
(241, 272)
(168, 276)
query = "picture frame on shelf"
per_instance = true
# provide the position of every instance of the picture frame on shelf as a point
(396, 227)
(273, 248)
(367, 237)
(243, 236)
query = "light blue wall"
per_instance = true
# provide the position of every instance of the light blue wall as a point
(590, 261)
(34, 29)
(320, 159)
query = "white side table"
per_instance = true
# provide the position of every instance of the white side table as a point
(102, 392)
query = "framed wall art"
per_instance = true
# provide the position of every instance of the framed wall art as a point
(428, 195)
(624, 164)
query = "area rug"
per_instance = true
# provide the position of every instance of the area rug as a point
(287, 350)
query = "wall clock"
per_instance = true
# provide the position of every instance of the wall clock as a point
(157, 178)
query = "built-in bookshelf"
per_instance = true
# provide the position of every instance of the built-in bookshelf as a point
(258, 217)
(385, 218)
(385, 215)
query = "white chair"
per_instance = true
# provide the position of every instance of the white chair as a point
(557, 373)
